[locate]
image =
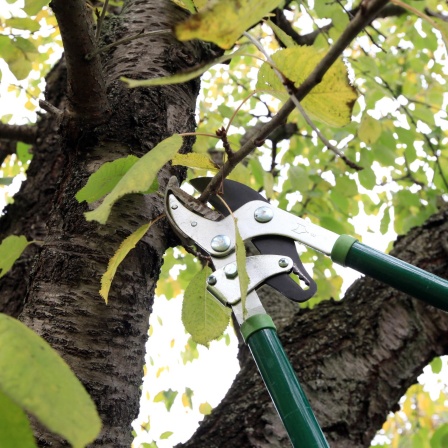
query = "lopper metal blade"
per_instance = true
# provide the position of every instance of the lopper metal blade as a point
(236, 195)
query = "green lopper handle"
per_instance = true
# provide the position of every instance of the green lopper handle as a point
(282, 384)
(403, 276)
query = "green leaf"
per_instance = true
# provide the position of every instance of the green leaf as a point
(166, 435)
(10, 250)
(203, 316)
(187, 398)
(15, 428)
(367, 178)
(167, 397)
(194, 160)
(328, 222)
(369, 130)
(125, 247)
(15, 57)
(6, 180)
(436, 365)
(23, 23)
(32, 7)
(139, 177)
(243, 277)
(178, 78)
(104, 180)
(331, 101)
(35, 377)
(191, 351)
(440, 437)
(284, 38)
(224, 21)
(385, 221)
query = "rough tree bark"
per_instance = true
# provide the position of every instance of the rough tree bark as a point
(103, 344)
(355, 358)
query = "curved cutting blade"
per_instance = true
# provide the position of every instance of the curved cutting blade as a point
(236, 195)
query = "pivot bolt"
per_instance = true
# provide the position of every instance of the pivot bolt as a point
(263, 214)
(211, 280)
(174, 206)
(220, 243)
(194, 223)
(283, 262)
(231, 270)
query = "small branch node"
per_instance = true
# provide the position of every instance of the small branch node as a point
(45, 105)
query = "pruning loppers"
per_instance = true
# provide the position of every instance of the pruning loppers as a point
(274, 232)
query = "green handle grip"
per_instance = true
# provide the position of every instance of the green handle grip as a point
(401, 275)
(284, 388)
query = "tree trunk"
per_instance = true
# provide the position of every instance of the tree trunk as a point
(355, 358)
(104, 344)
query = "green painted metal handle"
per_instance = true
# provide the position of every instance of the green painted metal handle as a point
(284, 388)
(399, 274)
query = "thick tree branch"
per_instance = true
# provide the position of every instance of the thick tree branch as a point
(355, 358)
(364, 16)
(85, 82)
(18, 132)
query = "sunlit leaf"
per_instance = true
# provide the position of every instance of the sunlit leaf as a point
(331, 101)
(167, 397)
(369, 130)
(125, 247)
(139, 177)
(32, 7)
(243, 277)
(436, 365)
(224, 21)
(190, 353)
(166, 435)
(104, 180)
(204, 317)
(194, 160)
(15, 430)
(10, 250)
(35, 377)
(205, 408)
(286, 40)
(187, 397)
(23, 23)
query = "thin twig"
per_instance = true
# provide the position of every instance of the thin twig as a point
(90, 56)
(237, 109)
(45, 105)
(99, 23)
(290, 88)
(363, 17)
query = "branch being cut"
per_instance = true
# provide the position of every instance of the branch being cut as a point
(18, 132)
(85, 82)
(364, 16)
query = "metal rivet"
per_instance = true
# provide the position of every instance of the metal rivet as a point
(231, 270)
(263, 214)
(211, 280)
(283, 262)
(194, 223)
(220, 243)
(174, 206)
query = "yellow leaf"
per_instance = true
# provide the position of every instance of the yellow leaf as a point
(194, 160)
(331, 101)
(224, 21)
(126, 246)
(205, 408)
(139, 178)
(243, 277)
